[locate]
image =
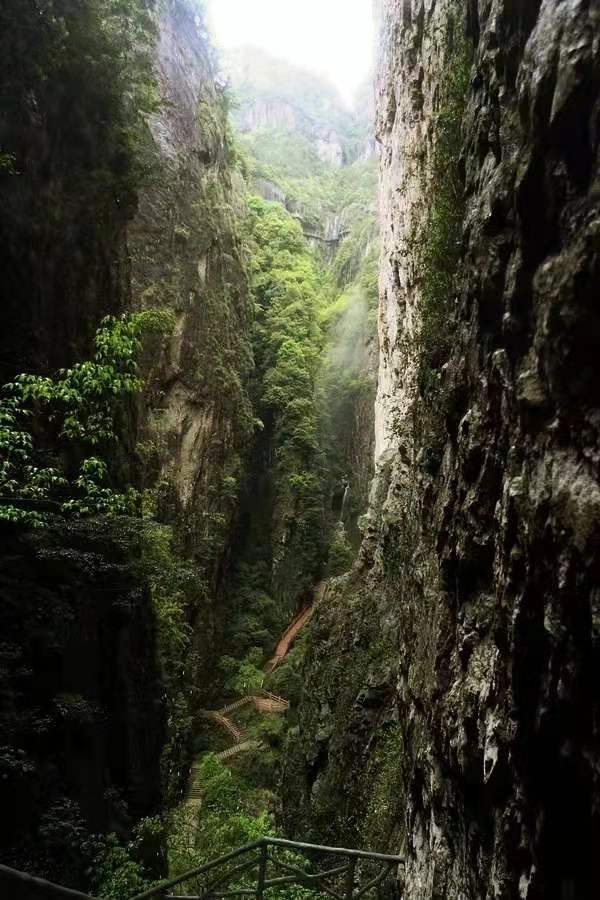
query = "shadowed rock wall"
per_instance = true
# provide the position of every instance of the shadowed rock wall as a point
(187, 256)
(94, 224)
(451, 706)
(82, 714)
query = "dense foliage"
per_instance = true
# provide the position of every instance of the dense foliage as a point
(233, 813)
(312, 388)
(284, 135)
(288, 293)
(57, 433)
(92, 61)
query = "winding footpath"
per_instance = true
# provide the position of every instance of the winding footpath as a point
(264, 703)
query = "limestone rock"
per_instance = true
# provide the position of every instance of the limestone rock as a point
(478, 579)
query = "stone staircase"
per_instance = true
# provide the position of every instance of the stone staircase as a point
(242, 747)
(235, 732)
(194, 794)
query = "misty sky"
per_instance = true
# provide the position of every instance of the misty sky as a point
(331, 37)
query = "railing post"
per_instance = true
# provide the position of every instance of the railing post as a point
(262, 872)
(350, 878)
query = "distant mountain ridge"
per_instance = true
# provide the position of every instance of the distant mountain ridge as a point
(273, 95)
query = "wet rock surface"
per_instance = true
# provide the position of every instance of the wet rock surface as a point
(186, 255)
(452, 685)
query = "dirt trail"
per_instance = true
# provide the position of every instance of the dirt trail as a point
(292, 631)
(265, 703)
(288, 638)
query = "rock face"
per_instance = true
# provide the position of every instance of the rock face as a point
(279, 115)
(277, 97)
(187, 256)
(64, 196)
(85, 235)
(451, 704)
(82, 712)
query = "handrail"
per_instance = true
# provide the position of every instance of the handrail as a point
(261, 844)
(265, 842)
(47, 886)
(335, 851)
(201, 870)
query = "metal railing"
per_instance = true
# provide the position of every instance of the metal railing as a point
(23, 886)
(347, 874)
(360, 872)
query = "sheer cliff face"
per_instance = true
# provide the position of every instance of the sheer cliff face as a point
(85, 235)
(272, 95)
(452, 682)
(65, 193)
(187, 256)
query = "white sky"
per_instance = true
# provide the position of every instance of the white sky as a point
(330, 37)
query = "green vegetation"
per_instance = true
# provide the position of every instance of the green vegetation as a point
(121, 872)
(68, 440)
(313, 390)
(336, 209)
(77, 90)
(288, 290)
(440, 247)
(98, 54)
(385, 802)
(49, 427)
(245, 676)
(233, 813)
(259, 77)
(341, 554)
(347, 387)
(177, 587)
(286, 153)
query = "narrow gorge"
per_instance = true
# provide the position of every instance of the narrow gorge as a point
(299, 485)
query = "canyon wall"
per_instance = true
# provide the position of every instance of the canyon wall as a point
(120, 194)
(187, 257)
(273, 95)
(65, 186)
(451, 704)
